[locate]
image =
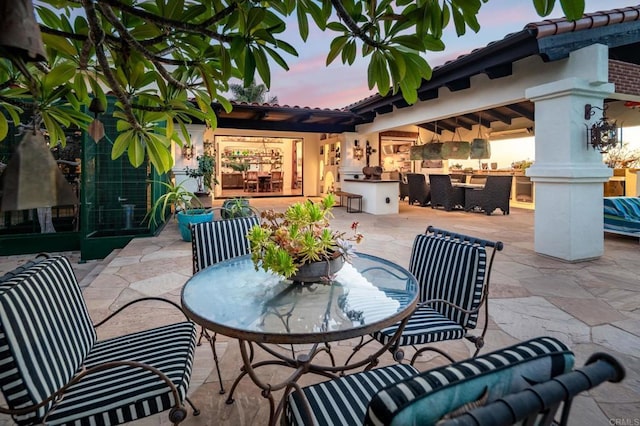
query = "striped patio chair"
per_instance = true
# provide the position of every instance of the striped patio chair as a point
(486, 390)
(213, 242)
(453, 272)
(55, 371)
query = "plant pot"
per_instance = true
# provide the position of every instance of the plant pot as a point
(315, 271)
(192, 216)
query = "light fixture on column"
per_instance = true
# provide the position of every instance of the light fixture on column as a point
(187, 152)
(358, 152)
(603, 134)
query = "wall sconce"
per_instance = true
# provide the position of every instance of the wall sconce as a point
(187, 152)
(603, 134)
(358, 153)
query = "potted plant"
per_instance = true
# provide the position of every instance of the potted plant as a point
(299, 242)
(204, 176)
(237, 207)
(186, 205)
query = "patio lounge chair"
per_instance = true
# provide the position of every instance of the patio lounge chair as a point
(56, 371)
(444, 194)
(527, 382)
(495, 195)
(213, 242)
(453, 272)
(622, 215)
(419, 190)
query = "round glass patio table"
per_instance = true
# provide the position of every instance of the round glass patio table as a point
(234, 299)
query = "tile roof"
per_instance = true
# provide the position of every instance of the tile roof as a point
(550, 27)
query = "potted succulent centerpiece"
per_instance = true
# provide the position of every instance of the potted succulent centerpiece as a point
(187, 207)
(299, 243)
(204, 176)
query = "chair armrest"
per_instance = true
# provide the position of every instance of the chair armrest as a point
(87, 371)
(452, 305)
(142, 299)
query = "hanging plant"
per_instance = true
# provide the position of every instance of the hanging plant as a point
(432, 151)
(415, 152)
(480, 149)
(455, 150)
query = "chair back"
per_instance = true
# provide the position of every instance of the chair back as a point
(429, 396)
(478, 179)
(213, 242)
(443, 193)
(453, 268)
(252, 175)
(418, 189)
(500, 185)
(45, 334)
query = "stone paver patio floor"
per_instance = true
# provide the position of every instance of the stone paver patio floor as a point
(591, 306)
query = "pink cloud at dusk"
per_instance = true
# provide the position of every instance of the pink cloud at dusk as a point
(310, 83)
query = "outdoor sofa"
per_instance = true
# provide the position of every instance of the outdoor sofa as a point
(622, 215)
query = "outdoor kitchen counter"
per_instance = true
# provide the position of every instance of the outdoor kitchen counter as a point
(378, 196)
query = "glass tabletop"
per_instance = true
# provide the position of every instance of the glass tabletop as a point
(234, 299)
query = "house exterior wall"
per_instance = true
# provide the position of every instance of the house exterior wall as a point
(625, 76)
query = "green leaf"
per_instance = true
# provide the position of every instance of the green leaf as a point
(121, 144)
(411, 41)
(337, 44)
(60, 44)
(303, 23)
(573, 9)
(59, 75)
(136, 151)
(458, 21)
(262, 66)
(255, 17)
(276, 57)
(4, 127)
(544, 7)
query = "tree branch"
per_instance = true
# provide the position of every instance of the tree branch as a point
(97, 37)
(132, 42)
(353, 25)
(201, 28)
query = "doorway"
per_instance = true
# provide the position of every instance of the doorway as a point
(257, 166)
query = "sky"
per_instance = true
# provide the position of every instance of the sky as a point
(309, 82)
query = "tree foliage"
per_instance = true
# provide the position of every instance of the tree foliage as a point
(254, 93)
(167, 61)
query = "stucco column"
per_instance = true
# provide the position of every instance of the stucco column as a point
(568, 175)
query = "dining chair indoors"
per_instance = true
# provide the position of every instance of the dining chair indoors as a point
(213, 242)
(453, 272)
(251, 181)
(277, 180)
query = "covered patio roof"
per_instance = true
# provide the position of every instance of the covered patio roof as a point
(552, 39)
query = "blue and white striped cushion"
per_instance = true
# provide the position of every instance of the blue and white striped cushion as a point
(450, 270)
(425, 326)
(213, 242)
(45, 334)
(123, 394)
(343, 401)
(430, 395)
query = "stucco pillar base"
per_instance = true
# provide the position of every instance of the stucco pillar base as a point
(568, 175)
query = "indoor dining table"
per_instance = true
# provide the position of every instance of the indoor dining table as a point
(262, 309)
